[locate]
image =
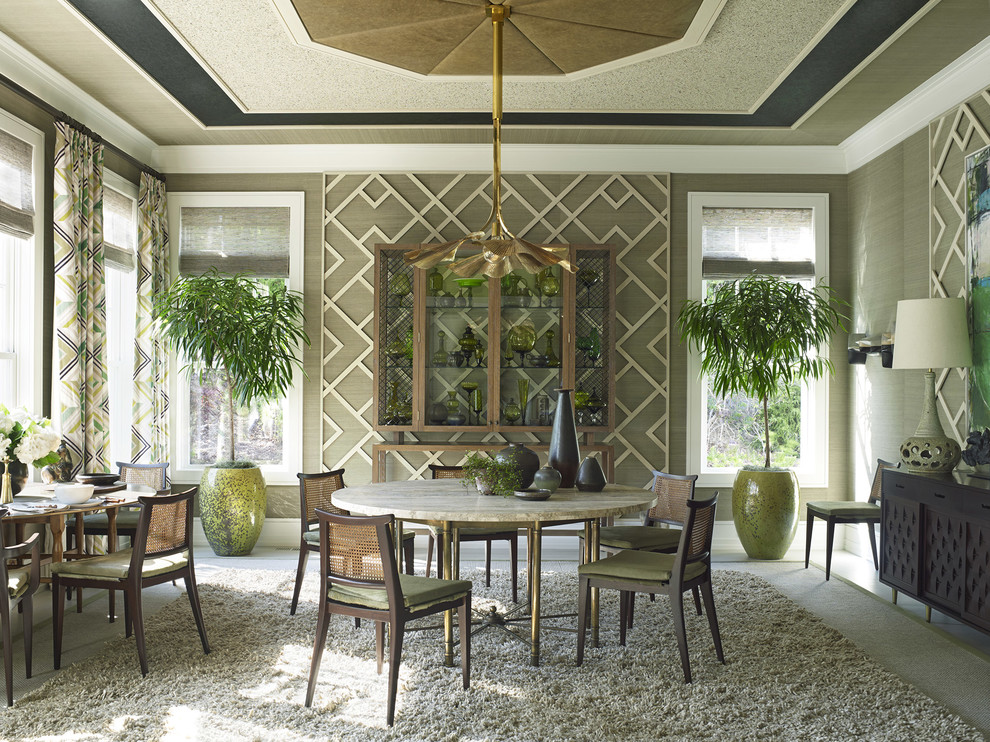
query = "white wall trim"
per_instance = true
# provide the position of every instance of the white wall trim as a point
(58, 91)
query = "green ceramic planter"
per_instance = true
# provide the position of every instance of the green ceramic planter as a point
(232, 505)
(765, 511)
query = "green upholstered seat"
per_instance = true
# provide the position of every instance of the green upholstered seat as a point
(116, 566)
(417, 593)
(127, 519)
(646, 567)
(313, 537)
(648, 538)
(845, 508)
(18, 581)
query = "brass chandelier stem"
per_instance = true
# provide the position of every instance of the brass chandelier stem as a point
(498, 14)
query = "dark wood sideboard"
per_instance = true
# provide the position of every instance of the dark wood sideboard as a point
(935, 542)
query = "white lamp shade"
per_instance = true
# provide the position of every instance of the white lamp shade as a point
(932, 333)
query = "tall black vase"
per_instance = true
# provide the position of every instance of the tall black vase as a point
(526, 461)
(565, 456)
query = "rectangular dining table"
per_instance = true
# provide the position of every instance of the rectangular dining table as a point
(450, 504)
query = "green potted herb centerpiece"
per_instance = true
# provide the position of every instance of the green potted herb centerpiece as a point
(759, 336)
(247, 334)
(490, 475)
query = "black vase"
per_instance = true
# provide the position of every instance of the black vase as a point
(590, 477)
(18, 475)
(527, 462)
(564, 452)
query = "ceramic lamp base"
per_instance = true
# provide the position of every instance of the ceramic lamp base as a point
(930, 454)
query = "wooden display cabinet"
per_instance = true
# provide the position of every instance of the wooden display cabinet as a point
(439, 367)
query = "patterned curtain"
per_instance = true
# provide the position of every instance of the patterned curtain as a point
(149, 426)
(81, 400)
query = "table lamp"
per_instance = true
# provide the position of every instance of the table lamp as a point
(931, 333)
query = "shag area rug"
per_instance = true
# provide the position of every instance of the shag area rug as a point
(787, 677)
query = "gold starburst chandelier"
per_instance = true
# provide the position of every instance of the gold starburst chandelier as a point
(500, 250)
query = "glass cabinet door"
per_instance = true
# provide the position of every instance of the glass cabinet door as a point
(594, 328)
(456, 345)
(395, 348)
(530, 356)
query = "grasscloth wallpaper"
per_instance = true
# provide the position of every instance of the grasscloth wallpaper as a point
(628, 211)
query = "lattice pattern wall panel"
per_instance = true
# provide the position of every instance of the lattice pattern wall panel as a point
(629, 211)
(951, 137)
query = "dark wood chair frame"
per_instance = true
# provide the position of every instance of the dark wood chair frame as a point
(32, 548)
(308, 518)
(871, 519)
(695, 546)
(465, 535)
(396, 615)
(135, 582)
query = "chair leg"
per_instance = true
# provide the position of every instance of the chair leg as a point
(630, 609)
(514, 561)
(133, 598)
(677, 608)
(429, 555)
(58, 614)
(582, 611)
(623, 615)
(488, 562)
(300, 571)
(807, 540)
(27, 620)
(873, 546)
(409, 556)
(394, 657)
(706, 589)
(464, 629)
(8, 659)
(829, 535)
(697, 599)
(193, 592)
(322, 624)
(380, 644)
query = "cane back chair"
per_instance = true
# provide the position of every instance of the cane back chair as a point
(22, 583)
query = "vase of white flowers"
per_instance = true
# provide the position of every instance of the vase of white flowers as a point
(25, 441)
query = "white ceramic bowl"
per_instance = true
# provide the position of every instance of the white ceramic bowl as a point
(71, 494)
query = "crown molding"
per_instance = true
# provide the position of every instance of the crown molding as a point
(58, 91)
(961, 80)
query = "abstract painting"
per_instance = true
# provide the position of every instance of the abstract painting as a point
(978, 242)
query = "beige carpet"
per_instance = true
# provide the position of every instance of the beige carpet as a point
(787, 677)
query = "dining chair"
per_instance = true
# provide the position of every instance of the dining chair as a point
(315, 491)
(488, 535)
(22, 583)
(359, 577)
(152, 475)
(162, 550)
(632, 571)
(844, 511)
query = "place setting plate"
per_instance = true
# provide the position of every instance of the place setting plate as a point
(36, 507)
(87, 504)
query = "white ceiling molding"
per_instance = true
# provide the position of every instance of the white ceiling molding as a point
(521, 158)
(59, 92)
(958, 82)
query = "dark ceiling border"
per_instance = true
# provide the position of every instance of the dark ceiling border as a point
(138, 33)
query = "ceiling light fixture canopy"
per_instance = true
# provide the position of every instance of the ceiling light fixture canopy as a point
(501, 251)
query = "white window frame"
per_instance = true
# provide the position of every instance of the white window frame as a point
(122, 395)
(182, 471)
(29, 302)
(813, 471)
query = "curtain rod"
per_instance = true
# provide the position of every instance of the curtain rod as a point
(61, 115)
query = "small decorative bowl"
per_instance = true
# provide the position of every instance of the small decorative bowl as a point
(97, 478)
(531, 494)
(72, 494)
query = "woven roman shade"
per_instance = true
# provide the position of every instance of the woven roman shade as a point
(119, 230)
(235, 240)
(16, 186)
(740, 241)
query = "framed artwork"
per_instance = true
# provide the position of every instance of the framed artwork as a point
(978, 245)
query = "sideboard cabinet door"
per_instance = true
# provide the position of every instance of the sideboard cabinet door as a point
(900, 536)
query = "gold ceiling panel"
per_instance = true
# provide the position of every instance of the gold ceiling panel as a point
(542, 37)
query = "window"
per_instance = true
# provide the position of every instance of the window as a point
(731, 235)
(21, 310)
(259, 233)
(120, 222)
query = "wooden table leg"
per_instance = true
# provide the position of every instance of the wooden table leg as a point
(80, 536)
(111, 548)
(446, 534)
(536, 541)
(57, 524)
(593, 533)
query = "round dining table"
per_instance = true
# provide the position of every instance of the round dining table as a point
(447, 505)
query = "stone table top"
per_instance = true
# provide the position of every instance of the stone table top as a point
(437, 500)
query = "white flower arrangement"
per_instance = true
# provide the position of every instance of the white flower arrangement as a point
(27, 439)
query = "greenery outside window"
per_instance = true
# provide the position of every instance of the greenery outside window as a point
(730, 236)
(260, 234)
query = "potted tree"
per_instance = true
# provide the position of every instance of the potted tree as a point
(245, 334)
(759, 336)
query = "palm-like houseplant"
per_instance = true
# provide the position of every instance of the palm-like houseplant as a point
(248, 333)
(758, 336)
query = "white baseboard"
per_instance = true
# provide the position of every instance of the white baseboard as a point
(560, 543)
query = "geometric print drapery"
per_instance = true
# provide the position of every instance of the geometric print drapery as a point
(81, 401)
(149, 423)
